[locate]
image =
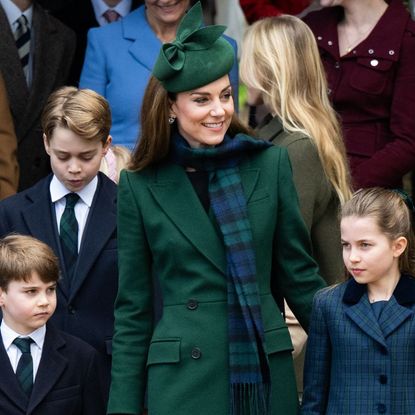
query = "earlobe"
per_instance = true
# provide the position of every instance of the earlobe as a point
(107, 145)
(399, 246)
(46, 143)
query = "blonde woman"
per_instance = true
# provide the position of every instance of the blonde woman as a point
(280, 60)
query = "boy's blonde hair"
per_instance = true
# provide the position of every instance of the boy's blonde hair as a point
(21, 255)
(280, 59)
(389, 209)
(82, 111)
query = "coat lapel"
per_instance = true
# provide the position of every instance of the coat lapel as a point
(12, 72)
(8, 381)
(137, 29)
(100, 226)
(392, 316)
(45, 65)
(51, 367)
(172, 187)
(362, 314)
(40, 220)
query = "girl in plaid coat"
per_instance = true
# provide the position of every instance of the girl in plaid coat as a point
(361, 350)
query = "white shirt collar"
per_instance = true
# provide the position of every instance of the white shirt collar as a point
(59, 191)
(13, 12)
(8, 335)
(122, 8)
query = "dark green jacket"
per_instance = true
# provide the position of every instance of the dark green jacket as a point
(319, 202)
(164, 231)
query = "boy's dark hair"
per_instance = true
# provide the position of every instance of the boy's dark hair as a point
(21, 255)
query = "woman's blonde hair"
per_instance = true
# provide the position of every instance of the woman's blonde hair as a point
(117, 158)
(154, 141)
(280, 58)
(393, 212)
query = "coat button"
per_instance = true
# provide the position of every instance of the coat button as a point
(319, 38)
(196, 353)
(192, 305)
(381, 408)
(374, 62)
(337, 65)
(371, 51)
(330, 43)
(391, 52)
(383, 379)
(71, 310)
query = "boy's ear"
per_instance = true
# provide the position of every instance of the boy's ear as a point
(399, 245)
(107, 145)
(46, 143)
(2, 293)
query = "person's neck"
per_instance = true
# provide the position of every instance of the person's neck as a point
(23, 5)
(363, 15)
(383, 290)
(112, 3)
(165, 32)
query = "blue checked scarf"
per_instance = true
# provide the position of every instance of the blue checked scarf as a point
(248, 361)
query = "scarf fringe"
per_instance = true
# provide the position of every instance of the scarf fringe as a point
(250, 399)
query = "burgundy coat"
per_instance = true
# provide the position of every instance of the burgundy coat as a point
(258, 9)
(373, 90)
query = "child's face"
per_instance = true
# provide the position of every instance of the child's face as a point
(26, 306)
(74, 160)
(368, 254)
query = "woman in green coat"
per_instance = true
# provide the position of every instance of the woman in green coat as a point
(280, 60)
(209, 211)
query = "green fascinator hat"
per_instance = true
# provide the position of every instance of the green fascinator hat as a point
(197, 57)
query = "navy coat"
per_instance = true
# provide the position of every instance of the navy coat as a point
(356, 364)
(86, 309)
(67, 381)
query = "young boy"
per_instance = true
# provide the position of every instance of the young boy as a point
(43, 371)
(74, 212)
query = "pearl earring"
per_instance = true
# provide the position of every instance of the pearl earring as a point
(172, 119)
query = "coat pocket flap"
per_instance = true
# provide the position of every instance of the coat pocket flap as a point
(164, 351)
(278, 340)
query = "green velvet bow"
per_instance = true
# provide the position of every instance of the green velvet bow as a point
(190, 37)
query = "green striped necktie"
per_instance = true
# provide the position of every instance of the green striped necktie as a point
(68, 231)
(24, 371)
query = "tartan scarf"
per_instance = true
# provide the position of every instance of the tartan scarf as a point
(249, 373)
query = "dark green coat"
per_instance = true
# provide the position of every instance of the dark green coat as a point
(319, 203)
(164, 231)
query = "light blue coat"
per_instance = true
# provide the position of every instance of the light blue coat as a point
(118, 63)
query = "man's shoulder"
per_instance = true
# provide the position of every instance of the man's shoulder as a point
(27, 196)
(70, 345)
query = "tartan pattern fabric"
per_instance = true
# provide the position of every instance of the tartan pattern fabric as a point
(356, 364)
(248, 364)
(22, 39)
(24, 371)
(68, 231)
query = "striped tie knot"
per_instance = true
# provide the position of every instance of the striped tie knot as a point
(24, 371)
(23, 343)
(22, 39)
(111, 16)
(71, 200)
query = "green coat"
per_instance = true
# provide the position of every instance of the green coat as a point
(319, 203)
(164, 231)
